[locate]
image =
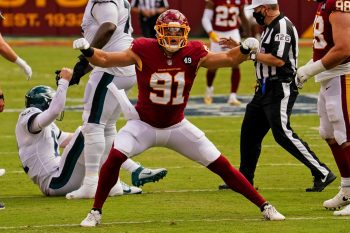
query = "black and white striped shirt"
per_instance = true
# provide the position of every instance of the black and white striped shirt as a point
(149, 4)
(280, 38)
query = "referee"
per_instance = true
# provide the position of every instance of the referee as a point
(275, 95)
(148, 11)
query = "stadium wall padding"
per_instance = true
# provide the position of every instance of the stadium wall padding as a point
(63, 17)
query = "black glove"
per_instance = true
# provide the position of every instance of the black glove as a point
(57, 77)
(79, 70)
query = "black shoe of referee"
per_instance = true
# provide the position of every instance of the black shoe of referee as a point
(320, 184)
(223, 186)
(2, 206)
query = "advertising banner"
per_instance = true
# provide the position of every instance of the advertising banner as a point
(42, 17)
(63, 17)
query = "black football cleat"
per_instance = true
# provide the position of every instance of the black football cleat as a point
(320, 184)
(223, 186)
(2, 206)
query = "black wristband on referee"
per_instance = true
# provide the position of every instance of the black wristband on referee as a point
(2, 96)
(89, 52)
(243, 50)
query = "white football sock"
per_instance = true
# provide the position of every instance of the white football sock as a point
(93, 149)
(130, 165)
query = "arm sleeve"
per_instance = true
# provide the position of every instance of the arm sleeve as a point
(206, 20)
(106, 12)
(56, 107)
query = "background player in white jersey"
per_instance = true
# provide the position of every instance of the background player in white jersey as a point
(106, 25)
(330, 65)
(39, 140)
(223, 19)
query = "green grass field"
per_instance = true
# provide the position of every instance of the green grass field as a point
(187, 200)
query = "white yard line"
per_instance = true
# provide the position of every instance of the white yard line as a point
(175, 220)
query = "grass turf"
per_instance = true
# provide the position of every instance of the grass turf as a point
(187, 200)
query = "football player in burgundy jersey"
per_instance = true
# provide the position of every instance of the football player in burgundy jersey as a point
(166, 68)
(222, 19)
(331, 67)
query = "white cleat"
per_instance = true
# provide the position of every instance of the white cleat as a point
(117, 190)
(271, 214)
(84, 192)
(92, 219)
(233, 101)
(143, 175)
(208, 96)
(343, 212)
(130, 189)
(339, 200)
(2, 171)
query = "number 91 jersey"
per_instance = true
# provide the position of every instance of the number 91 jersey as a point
(226, 14)
(323, 38)
(164, 83)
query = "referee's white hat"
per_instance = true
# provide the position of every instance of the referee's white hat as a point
(256, 3)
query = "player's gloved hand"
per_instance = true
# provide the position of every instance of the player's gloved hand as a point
(79, 70)
(214, 37)
(58, 76)
(84, 47)
(25, 67)
(250, 44)
(81, 43)
(307, 71)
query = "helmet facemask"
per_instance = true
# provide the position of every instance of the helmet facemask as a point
(172, 30)
(172, 36)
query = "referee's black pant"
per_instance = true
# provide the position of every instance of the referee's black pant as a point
(272, 110)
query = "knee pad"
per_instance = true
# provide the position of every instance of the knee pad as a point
(109, 134)
(110, 130)
(93, 133)
(91, 128)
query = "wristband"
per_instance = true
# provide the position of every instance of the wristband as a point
(314, 68)
(89, 52)
(244, 50)
(19, 61)
(2, 96)
(63, 82)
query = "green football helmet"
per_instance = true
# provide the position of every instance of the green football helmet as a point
(39, 97)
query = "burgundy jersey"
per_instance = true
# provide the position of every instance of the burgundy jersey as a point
(226, 14)
(164, 83)
(323, 37)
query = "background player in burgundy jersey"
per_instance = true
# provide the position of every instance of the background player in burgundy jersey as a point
(223, 19)
(165, 70)
(331, 67)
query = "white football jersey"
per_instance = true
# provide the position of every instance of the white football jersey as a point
(117, 12)
(38, 151)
